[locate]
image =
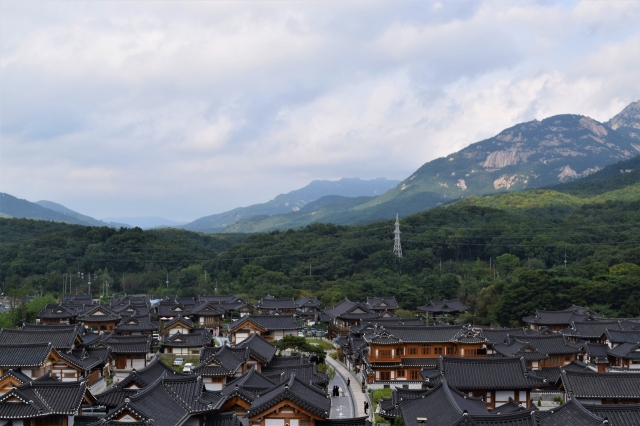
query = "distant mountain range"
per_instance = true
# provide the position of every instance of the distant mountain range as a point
(296, 201)
(528, 155)
(146, 222)
(11, 206)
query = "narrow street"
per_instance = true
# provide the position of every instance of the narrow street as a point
(352, 403)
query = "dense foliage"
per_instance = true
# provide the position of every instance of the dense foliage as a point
(503, 255)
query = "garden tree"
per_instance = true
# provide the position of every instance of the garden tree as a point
(300, 344)
(399, 421)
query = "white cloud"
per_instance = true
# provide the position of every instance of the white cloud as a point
(186, 109)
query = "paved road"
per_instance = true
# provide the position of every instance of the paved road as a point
(353, 395)
(341, 406)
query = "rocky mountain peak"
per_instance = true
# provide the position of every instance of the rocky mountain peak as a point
(627, 121)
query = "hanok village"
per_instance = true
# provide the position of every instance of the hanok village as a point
(220, 361)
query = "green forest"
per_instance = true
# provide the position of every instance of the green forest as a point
(504, 255)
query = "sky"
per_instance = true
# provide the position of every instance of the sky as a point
(185, 109)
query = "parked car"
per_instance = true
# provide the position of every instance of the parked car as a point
(178, 361)
(188, 367)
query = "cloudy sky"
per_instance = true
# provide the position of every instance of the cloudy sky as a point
(183, 109)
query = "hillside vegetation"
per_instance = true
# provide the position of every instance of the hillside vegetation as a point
(504, 254)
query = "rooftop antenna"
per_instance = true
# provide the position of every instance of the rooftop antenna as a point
(397, 247)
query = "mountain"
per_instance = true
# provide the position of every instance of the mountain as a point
(12, 207)
(80, 217)
(533, 154)
(627, 122)
(294, 201)
(146, 222)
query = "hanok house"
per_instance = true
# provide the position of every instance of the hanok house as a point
(233, 305)
(625, 356)
(99, 318)
(57, 313)
(292, 403)
(179, 324)
(44, 403)
(169, 401)
(308, 309)
(187, 344)
(135, 382)
(261, 352)
(209, 315)
(443, 308)
(617, 337)
(283, 367)
(271, 328)
(273, 306)
(137, 325)
(129, 352)
(347, 314)
(240, 392)
(62, 337)
(221, 364)
(35, 360)
(554, 350)
(493, 379)
(601, 388)
(400, 352)
(558, 320)
(169, 309)
(590, 331)
(382, 305)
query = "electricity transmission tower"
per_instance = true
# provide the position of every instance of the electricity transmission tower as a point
(397, 247)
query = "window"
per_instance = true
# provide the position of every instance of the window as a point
(414, 375)
(385, 375)
(451, 351)
(413, 351)
(384, 353)
(426, 351)
(400, 351)
(437, 351)
(401, 373)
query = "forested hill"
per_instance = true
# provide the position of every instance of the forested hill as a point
(525, 237)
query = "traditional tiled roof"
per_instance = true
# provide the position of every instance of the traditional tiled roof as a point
(18, 375)
(205, 308)
(601, 385)
(87, 359)
(179, 319)
(218, 299)
(597, 352)
(274, 304)
(626, 351)
(222, 361)
(198, 337)
(344, 307)
(222, 419)
(508, 407)
(591, 329)
(302, 394)
(125, 344)
(24, 355)
(571, 413)
(39, 399)
(268, 322)
(282, 361)
(355, 421)
(308, 302)
(444, 306)
(367, 326)
(252, 381)
(622, 336)
(557, 317)
(389, 406)
(443, 405)
(136, 380)
(303, 369)
(259, 348)
(60, 338)
(392, 335)
(137, 323)
(170, 308)
(499, 335)
(618, 414)
(59, 311)
(98, 313)
(381, 303)
(489, 373)
(537, 347)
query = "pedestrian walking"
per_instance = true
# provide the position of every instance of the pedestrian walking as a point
(366, 407)
(348, 382)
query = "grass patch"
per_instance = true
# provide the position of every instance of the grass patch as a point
(381, 393)
(324, 345)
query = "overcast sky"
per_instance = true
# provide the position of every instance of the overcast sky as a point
(183, 109)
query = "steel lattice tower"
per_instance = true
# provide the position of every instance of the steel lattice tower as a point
(397, 247)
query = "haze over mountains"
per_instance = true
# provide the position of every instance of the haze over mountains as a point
(528, 155)
(534, 154)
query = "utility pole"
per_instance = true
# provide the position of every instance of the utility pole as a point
(397, 247)
(167, 279)
(565, 259)
(89, 282)
(123, 284)
(309, 269)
